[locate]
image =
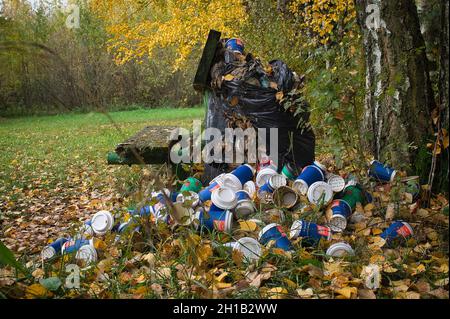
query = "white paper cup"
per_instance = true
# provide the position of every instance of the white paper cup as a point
(218, 178)
(295, 229)
(48, 252)
(182, 215)
(285, 197)
(102, 222)
(264, 176)
(277, 180)
(224, 198)
(340, 250)
(317, 190)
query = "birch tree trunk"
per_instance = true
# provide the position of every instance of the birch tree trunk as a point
(399, 97)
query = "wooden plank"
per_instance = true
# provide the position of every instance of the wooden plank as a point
(202, 77)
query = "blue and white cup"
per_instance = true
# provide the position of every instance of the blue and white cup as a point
(309, 175)
(381, 172)
(54, 249)
(310, 232)
(320, 166)
(242, 195)
(275, 232)
(244, 173)
(84, 249)
(216, 219)
(245, 206)
(398, 232)
(341, 212)
(205, 194)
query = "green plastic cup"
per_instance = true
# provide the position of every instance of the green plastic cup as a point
(353, 195)
(288, 172)
(191, 185)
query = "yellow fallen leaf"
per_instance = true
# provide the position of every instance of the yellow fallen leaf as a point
(279, 96)
(277, 293)
(306, 293)
(290, 283)
(37, 291)
(376, 231)
(228, 77)
(248, 226)
(203, 252)
(348, 292)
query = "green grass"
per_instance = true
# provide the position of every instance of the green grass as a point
(43, 151)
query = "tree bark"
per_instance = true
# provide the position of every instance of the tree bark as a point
(399, 97)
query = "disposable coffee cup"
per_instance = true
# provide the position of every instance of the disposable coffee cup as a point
(300, 186)
(320, 166)
(398, 232)
(320, 192)
(264, 176)
(191, 185)
(275, 232)
(338, 223)
(285, 197)
(277, 181)
(340, 250)
(102, 222)
(381, 172)
(224, 198)
(311, 232)
(244, 173)
(309, 175)
(205, 194)
(182, 215)
(336, 182)
(215, 219)
(250, 188)
(217, 178)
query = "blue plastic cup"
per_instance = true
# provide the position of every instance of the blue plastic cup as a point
(309, 175)
(397, 233)
(205, 194)
(242, 196)
(276, 233)
(216, 219)
(244, 173)
(235, 45)
(381, 172)
(310, 232)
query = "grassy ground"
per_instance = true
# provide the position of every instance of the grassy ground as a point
(50, 163)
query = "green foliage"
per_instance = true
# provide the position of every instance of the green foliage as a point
(7, 259)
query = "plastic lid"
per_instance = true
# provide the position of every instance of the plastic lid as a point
(102, 222)
(336, 182)
(224, 198)
(340, 250)
(295, 229)
(231, 181)
(48, 252)
(316, 191)
(249, 247)
(338, 223)
(277, 180)
(250, 188)
(300, 186)
(264, 176)
(265, 229)
(217, 178)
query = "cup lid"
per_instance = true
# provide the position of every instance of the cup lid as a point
(102, 222)
(277, 180)
(224, 198)
(231, 181)
(264, 176)
(296, 228)
(338, 223)
(340, 250)
(316, 191)
(337, 183)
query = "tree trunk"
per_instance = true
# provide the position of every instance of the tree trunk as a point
(399, 97)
